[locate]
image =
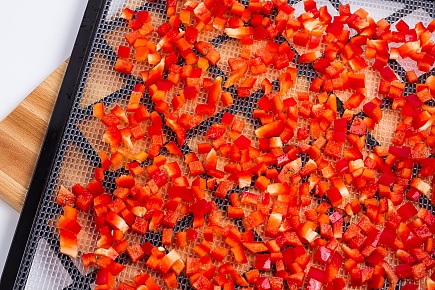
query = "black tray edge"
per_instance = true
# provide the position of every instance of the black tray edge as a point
(52, 141)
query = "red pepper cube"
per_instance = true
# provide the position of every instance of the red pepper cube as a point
(125, 181)
(123, 66)
(316, 274)
(227, 119)
(127, 13)
(140, 225)
(153, 262)
(323, 255)
(262, 262)
(191, 34)
(159, 178)
(65, 197)
(301, 38)
(273, 225)
(262, 182)
(281, 61)
(137, 132)
(208, 234)
(202, 249)
(89, 260)
(70, 213)
(218, 253)
(242, 142)
(407, 211)
(141, 114)
(342, 166)
(202, 283)
(192, 234)
(335, 217)
(163, 29)
(204, 148)
(123, 51)
(418, 271)
(172, 169)
(340, 125)
(105, 278)
(334, 149)
(358, 241)
(167, 236)
(103, 199)
(200, 208)
(234, 212)
(196, 168)
(402, 26)
(404, 271)
(147, 247)
(170, 280)
(143, 16)
(256, 19)
(68, 224)
(413, 194)
(239, 254)
(334, 196)
(351, 232)
(135, 252)
(387, 237)
(260, 33)
(181, 239)
(387, 179)
(117, 206)
(410, 286)
(265, 104)
(411, 76)
(153, 170)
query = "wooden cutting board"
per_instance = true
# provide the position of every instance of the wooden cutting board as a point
(22, 133)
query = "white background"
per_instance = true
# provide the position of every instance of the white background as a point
(35, 38)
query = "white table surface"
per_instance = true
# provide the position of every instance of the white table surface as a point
(36, 37)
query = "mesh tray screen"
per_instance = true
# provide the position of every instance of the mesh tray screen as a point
(42, 266)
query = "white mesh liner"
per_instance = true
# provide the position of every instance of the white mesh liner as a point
(47, 272)
(377, 9)
(76, 156)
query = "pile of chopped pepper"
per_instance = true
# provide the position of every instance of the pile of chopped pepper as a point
(269, 178)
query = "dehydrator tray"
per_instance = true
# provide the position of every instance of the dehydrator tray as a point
(70, 150)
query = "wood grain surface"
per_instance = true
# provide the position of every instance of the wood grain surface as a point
(22, 133)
